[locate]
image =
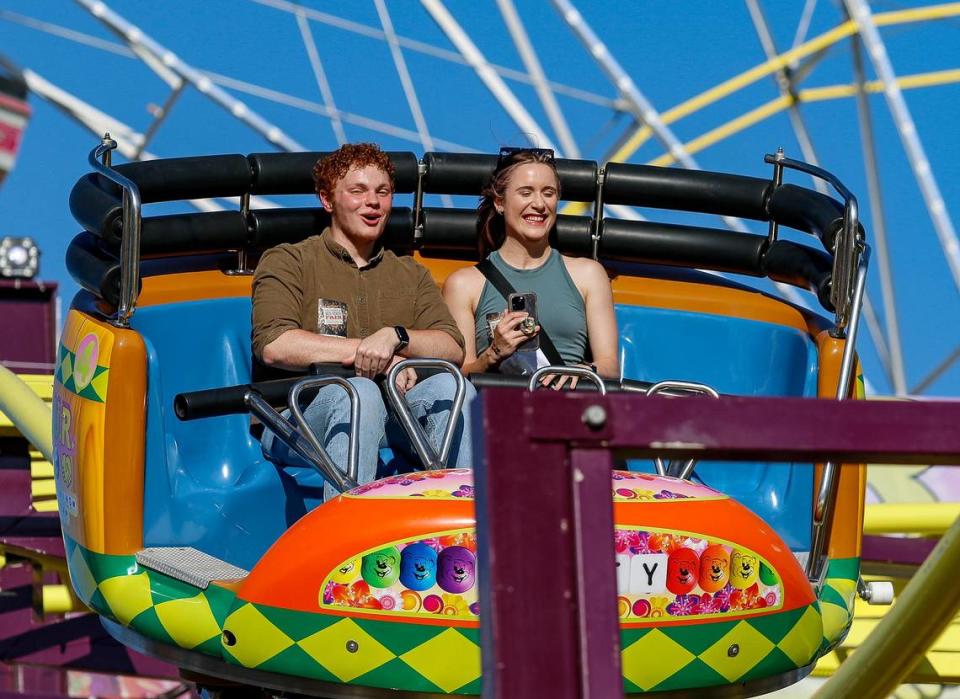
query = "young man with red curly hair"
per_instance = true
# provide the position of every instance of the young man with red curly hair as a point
(341, 297)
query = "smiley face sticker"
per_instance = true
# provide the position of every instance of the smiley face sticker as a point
(381, 568)
(714, 568)
(346, 573)
(682, 570)
(744, 569)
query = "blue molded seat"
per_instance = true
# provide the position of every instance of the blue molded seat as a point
(734, 356)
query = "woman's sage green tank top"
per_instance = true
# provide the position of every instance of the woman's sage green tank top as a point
(560, 308)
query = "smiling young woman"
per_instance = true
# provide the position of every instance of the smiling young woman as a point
(516, 214)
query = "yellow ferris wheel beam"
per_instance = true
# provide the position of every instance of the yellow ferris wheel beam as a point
(775, 106)
(816, 94)
(724, 89)
(728, 87)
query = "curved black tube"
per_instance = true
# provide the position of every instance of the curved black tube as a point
(229, 400)
(453, 233)
(466, 173)
(292, 173)
(685, 190)
(172, 179)
(93, 268)
(784, 261)
(681, 246)
(269, 227)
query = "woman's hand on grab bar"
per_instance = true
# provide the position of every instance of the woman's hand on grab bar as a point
(558, 381)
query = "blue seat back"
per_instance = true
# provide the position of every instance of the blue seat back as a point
(734, 356)
(207, 483)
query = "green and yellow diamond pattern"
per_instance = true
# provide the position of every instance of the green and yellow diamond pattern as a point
(837, 599)
(720, 652)
(373, 653)
(86, 379)
(151, 603)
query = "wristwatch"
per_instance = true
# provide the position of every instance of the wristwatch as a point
(402, 337)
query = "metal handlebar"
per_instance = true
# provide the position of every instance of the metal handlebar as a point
(826, 496)
(353, 444)
(568, 371)
(431, 460)
(664, 387)
(289, 435)
(848, 244)
(130, 233)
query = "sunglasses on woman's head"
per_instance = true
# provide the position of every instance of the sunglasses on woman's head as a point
(508, 152)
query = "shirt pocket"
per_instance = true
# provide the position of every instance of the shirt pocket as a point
(398, 307)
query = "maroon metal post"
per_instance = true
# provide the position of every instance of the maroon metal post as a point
(599, 625)
(544, 510)
(546, 539)
(757, 429)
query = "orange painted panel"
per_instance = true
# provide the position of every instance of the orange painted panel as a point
(287, 577)
(193, 286)
(845, 535)
(99, 434)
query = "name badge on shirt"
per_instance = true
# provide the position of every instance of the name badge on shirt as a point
(331, 317)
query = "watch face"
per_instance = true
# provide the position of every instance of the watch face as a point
(402, 335)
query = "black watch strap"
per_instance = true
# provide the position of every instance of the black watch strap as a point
(402, 336)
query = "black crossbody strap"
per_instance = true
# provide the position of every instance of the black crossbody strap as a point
(500, 283)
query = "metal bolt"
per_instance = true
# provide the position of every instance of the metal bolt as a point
(229, 639)
(352, 646)
(594, 417)
(733, 651)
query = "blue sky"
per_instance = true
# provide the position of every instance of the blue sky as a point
(673, 51)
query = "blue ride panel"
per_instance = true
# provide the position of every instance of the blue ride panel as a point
(740, 357)
(207, 484)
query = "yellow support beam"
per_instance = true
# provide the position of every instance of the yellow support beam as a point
(738, 82)
(926, 518)
(900, 641)
(44, 488)
(59, 599)
(774, 107)
(41, 469)
(816, 94)
(25, 410)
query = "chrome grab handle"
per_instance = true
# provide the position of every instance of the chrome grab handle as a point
(130, 232)
(311, 450)
(848, 245)
(826, 496)
(664, 387)
(431, 460)
(568, 371)
(353, 448)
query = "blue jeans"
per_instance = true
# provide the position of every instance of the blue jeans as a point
(328, 415)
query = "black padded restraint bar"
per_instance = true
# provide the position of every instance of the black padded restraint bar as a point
(501, 284)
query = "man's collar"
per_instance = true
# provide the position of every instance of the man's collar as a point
(337, 250)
